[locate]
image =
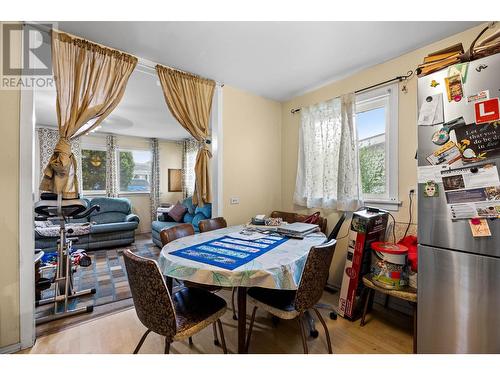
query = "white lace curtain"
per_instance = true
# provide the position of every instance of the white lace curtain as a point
(111, 167)
(328, 166)
(154, 196)
(47, 140)
(189, 151)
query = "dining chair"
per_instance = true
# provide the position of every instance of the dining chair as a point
(173, 233)
(290, 304)
(212, 224)
(292, 217)
(333, 236)
(183, 230)
(208, 225)
(175, 317)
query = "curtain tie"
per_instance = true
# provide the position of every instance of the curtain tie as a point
(62, 157)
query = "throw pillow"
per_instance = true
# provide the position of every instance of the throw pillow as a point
(206, 210)
(188, 203)
(196, 220)
(188, 218)
(166, 217)
(177, 213)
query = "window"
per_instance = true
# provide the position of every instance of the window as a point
(135, 171)
(377, 127)
(190, 150)
(93, 170)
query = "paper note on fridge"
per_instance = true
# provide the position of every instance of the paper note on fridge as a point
(431, 111)
(430, 173)
(472, 191)
(479, 228)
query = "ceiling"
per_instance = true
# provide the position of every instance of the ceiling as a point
(277, 60)
(142, 112)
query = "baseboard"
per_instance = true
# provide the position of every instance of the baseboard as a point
(10, 348)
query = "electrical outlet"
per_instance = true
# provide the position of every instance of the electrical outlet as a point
(412, 190)
(235, 200)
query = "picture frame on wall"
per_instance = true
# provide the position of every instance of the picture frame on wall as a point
(174, 180)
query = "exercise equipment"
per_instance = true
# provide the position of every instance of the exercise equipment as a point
(53, 207)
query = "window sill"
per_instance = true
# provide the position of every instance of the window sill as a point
(94, 193)
(385, 204)
(124, 194)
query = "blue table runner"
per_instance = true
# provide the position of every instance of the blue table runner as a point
(228, 252)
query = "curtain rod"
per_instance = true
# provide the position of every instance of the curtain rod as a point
(144, 63)
(408, 75)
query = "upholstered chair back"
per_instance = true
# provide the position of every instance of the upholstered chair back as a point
(212, 224)
(171, 234)
(152, 301)
(314, 276)
(292, 217)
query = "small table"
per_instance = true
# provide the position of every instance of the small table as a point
(279, 268)
(406, 293)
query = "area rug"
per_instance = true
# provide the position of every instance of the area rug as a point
(108, 276)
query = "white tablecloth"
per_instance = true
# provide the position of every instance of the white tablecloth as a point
(279, 268)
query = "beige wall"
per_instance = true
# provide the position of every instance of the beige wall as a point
(407, 130)
(9, 214)
(251, 155)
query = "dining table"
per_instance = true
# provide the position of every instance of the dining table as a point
(279, 268)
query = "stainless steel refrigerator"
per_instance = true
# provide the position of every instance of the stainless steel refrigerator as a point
(458, 274)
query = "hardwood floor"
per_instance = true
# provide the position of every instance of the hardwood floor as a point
(386, 331)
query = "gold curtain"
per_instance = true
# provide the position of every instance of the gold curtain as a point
(189, 99)
(90, 82)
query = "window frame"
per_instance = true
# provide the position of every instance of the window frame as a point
(387, 97)
(94, 147)
(118, 174)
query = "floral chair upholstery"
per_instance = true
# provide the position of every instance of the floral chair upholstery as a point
(188, 312)
(290, 304)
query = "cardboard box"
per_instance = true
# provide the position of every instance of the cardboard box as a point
(366, 227)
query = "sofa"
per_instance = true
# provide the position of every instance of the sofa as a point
(112, 226)
(193, 216)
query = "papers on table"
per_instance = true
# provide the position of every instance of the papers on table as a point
(247, 235)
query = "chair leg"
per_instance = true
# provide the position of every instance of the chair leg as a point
(216, 339)
(222, 339)
(327, 334)
(365, 308)
(167, 346)
(235, 317)
(141, 341)
(303, 334)
(252, 320)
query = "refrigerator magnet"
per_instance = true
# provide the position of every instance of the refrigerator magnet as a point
(487, 110)
(459, 69)
(446, 154)
(477, 97)
(434, 83)
(441, 136)
(479, 227)
(454, 88)
(431, 189)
